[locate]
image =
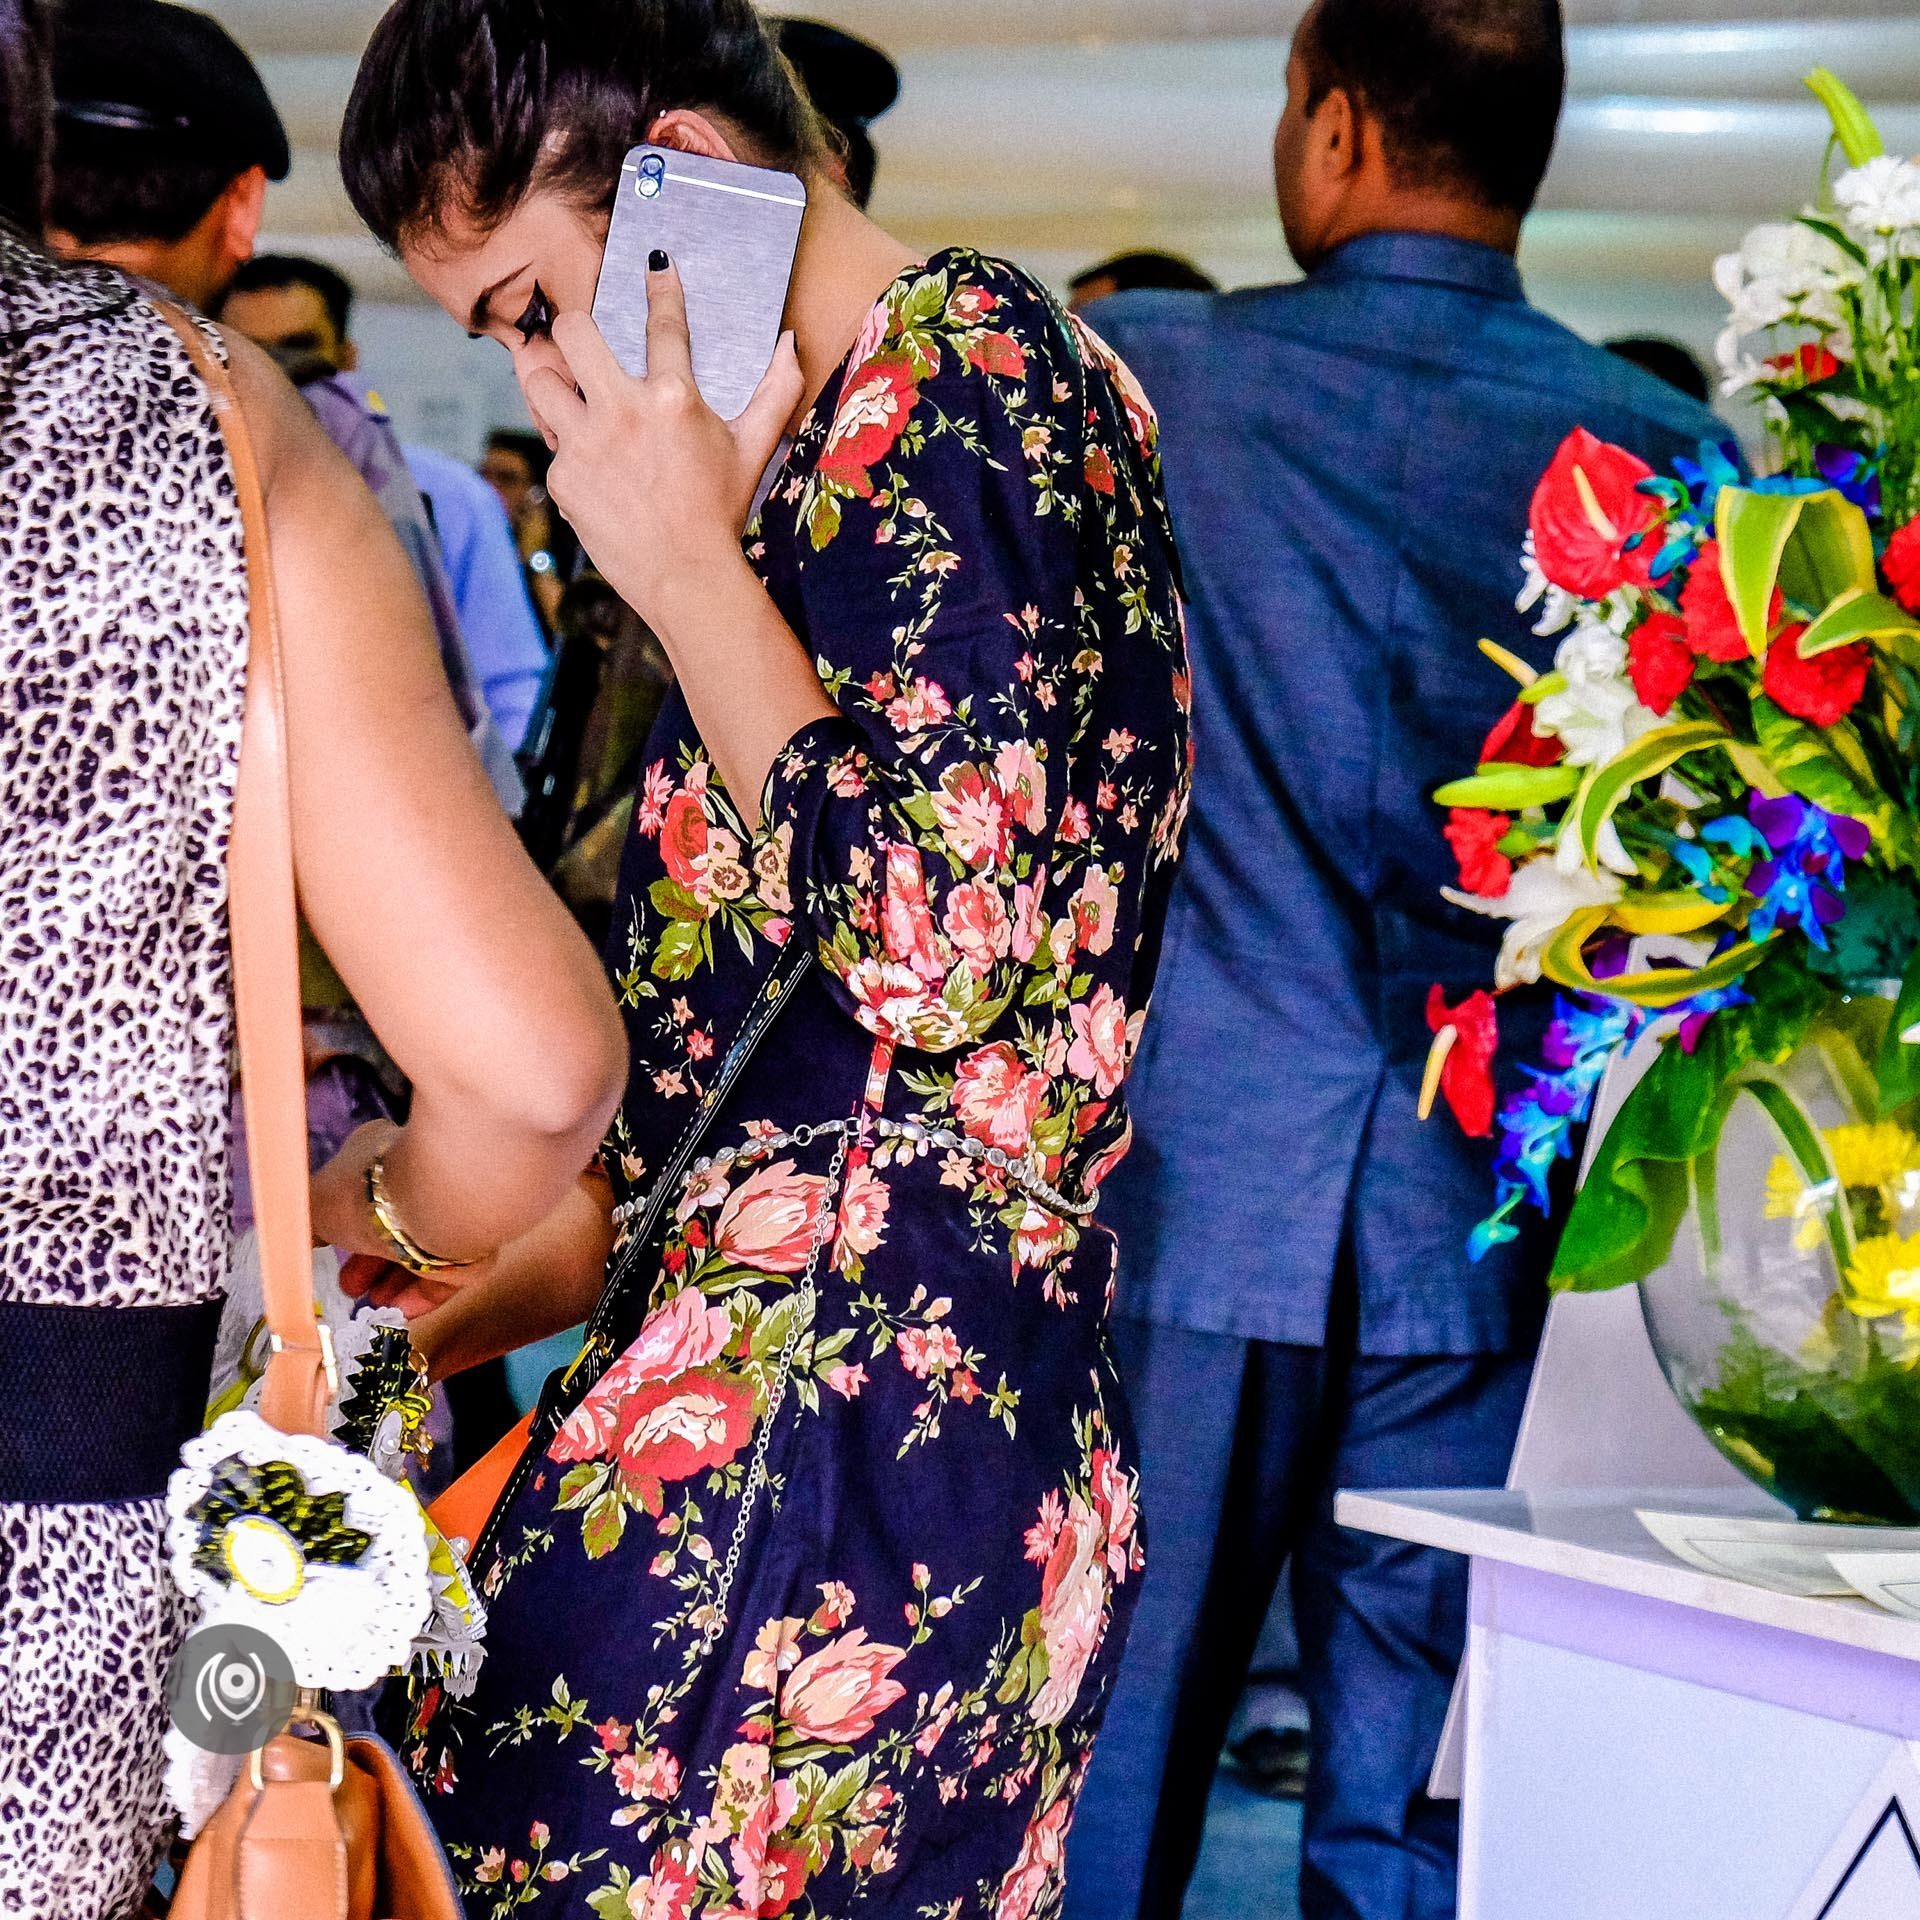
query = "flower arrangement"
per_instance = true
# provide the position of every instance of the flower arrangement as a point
(1708, 812)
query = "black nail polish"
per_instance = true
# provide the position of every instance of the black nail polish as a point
(656, 261)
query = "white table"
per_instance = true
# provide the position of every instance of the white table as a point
(1644, 1741)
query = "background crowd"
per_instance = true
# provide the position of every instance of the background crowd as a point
(1347, 461)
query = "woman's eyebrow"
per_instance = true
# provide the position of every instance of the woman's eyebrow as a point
(481, 318)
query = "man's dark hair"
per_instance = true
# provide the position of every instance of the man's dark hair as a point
(527, 446)
(266, 272)
(26, 106)
(1666, 360)
(110, 186)
(1147, 268)
(467, 105)
(1467, 93)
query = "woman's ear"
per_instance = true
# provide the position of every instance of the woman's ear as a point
(688, 131)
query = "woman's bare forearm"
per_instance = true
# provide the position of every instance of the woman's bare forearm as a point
(542, 1284)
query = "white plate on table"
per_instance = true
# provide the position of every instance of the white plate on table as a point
(1789, 1556)
(1889, 1580)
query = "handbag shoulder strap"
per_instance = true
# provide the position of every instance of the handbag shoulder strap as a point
(263, 921)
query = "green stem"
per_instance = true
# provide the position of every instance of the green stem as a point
(1808, 1151)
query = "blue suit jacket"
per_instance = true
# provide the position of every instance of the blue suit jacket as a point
(1349, 462)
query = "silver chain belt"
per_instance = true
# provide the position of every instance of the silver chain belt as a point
(1019, 1173)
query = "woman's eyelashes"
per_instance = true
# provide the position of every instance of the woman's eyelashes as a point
(537, 321)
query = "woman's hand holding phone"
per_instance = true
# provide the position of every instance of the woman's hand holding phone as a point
(655, 483)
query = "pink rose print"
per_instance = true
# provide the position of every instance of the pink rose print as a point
(683, 839)
(977, 923)
(1022, 775)
(772, 1219)
(1043, 1857)
(673, 1429)
(1119, 1514)
(906, 921)
(971, 813)
(835, 1608)
(918, 705)
(874, 408)
(1029, 924)
(647, 1776)
(863, 1218)
(1094, 909)
(1073, 1610)
(762, 1880)
(927, 1350)
(684, 1334)
(837, 1694)
(1101, 1044)
(998, 1098)
(666, 1893)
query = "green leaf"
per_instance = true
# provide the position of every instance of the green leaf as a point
(1635, 1196)
(1830, 553)
(678, 953)
(1753, 530)
(1853, 125)
(610, 1902)
(1652, 753)
(1500, 787)
(673, 901)
(1898, 1068)
(606, 1521)
(1837, 236)
(1858, 614)
(1805, 759)
(577, 1484)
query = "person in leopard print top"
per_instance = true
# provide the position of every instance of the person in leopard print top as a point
(124, 630)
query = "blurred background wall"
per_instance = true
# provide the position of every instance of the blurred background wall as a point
(1058, 132)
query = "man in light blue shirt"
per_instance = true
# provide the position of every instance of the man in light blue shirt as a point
(497, 619)
(301, 311)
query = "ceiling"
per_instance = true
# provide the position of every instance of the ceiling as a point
(1058, 131)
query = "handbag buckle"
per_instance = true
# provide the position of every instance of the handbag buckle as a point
(328, 1364)
(307, 1711)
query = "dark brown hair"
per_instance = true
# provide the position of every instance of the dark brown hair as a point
(1466, 92)
(468, 105)
(26, 114)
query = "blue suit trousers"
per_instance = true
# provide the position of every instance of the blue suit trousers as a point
(1242, 1446)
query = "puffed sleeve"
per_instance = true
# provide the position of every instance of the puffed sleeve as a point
(936, 581)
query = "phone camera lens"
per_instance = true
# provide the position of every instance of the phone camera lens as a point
(653, 172)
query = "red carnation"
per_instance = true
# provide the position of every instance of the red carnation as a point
(1821, 691)
(1713, 628)
(1658, 661)
(1519, 743)
(1466, 1081)
(1586, 510)
(1813, 361)
(1901, 564)
(1475, 836)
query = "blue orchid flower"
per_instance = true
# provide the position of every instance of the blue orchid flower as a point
(1718, 466)
(1852, 474)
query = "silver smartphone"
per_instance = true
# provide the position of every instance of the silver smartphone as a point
(732, 231)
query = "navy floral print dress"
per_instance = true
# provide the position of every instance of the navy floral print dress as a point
(809, 1590)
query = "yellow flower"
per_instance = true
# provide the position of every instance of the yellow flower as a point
(1883, 1278)
(1790, 1198)
(1877, 1153)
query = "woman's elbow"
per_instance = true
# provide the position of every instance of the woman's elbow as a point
(578, 1075)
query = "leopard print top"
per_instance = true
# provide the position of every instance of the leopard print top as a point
(123, 639)
(123, 643)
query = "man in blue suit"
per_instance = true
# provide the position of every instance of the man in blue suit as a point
(1350, 462)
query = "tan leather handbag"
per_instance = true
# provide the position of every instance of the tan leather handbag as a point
(325, 1829)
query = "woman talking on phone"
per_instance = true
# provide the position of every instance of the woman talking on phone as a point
(809, 1586)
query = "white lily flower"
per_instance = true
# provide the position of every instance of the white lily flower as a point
(1539, 901)
(1785, 271)
(1880, 199)
(1597, 715)
(1556, 604)
(1569, 856)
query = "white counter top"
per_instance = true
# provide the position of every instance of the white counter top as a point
(1595, 1537)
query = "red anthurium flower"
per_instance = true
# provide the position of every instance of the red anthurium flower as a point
(1659, 662)
(1812, 360)
(1475, 836)
(1713, 629)
(1901, 564)
(1586, 510)
(1466, 1081)
(1515, 740)
(1822, 691)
